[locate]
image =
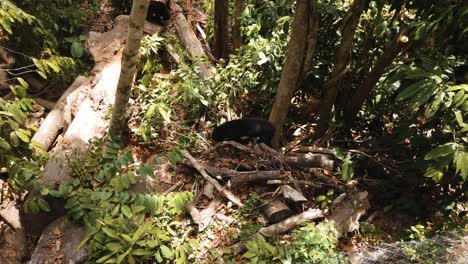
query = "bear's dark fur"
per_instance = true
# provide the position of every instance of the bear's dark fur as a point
(158, 12)
(239, 129)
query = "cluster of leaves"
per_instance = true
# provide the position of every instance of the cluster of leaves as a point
(310, 244)
(124, 226)
(426, 88)
(20, 157)
(11, 14)
(64, 18)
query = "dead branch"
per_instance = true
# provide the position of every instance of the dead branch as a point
(230, 196)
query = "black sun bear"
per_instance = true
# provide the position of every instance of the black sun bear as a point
(158, 12)
(240, 129)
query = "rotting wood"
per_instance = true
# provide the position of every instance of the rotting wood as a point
(346, 210)
(203, 218)
(276, 211)
(230, 196)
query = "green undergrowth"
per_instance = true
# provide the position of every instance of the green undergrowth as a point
(123, 226)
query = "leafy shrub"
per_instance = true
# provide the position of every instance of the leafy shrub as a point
(310, 244)
(20, 157)
(123, 226)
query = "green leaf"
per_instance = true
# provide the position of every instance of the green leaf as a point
(43, 205)
(141, 252)
(166, 252)
(249, 254)
(121, 257)
(114, 246)
(110, 233)
(441, 151)
(53, 66)
(433, 107)
(320, 198)
(23, 82)
(461, 164)
(42, 74)
(22, 136)
(459, 118)
(126, 211)
(412, 90)
(434, 173)
(104, 258)
(77, 50)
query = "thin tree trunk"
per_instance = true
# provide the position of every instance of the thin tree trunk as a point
(342, 65)
(118, 124)
(301, 48)
(221, 17)
(363, 91)
(236, 34)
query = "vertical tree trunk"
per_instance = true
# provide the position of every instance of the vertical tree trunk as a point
(221, 29)
(236, 34)
(301, 48)
(363, 91)
(342, 64)
(118, 124)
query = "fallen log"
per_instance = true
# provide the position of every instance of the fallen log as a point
(230, 196)
(54, 121)
(190, 41)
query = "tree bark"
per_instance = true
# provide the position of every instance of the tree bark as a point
(190, 41)
(236, 34)
(301, 48)
(363, 91)
(342, 65)
(118, 123)
(221, 17)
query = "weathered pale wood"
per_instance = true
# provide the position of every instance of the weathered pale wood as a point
(230, 196)
(346, 210)
(190, 41)
(54, 121)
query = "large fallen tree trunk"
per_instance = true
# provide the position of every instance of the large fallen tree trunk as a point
(55, 120)
(191, 42)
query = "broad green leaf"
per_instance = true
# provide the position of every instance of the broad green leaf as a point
(440, 151)
(111, 233)
(77, 50)
(23, 82)
(141, 252)
(166, 252)
(461, 164)
(22, 136)
(43, 205)
(114, 246)
(249, 254)
(53, 65)
(412, 90)
(435, 174)
(126, 211)
(104, 258)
